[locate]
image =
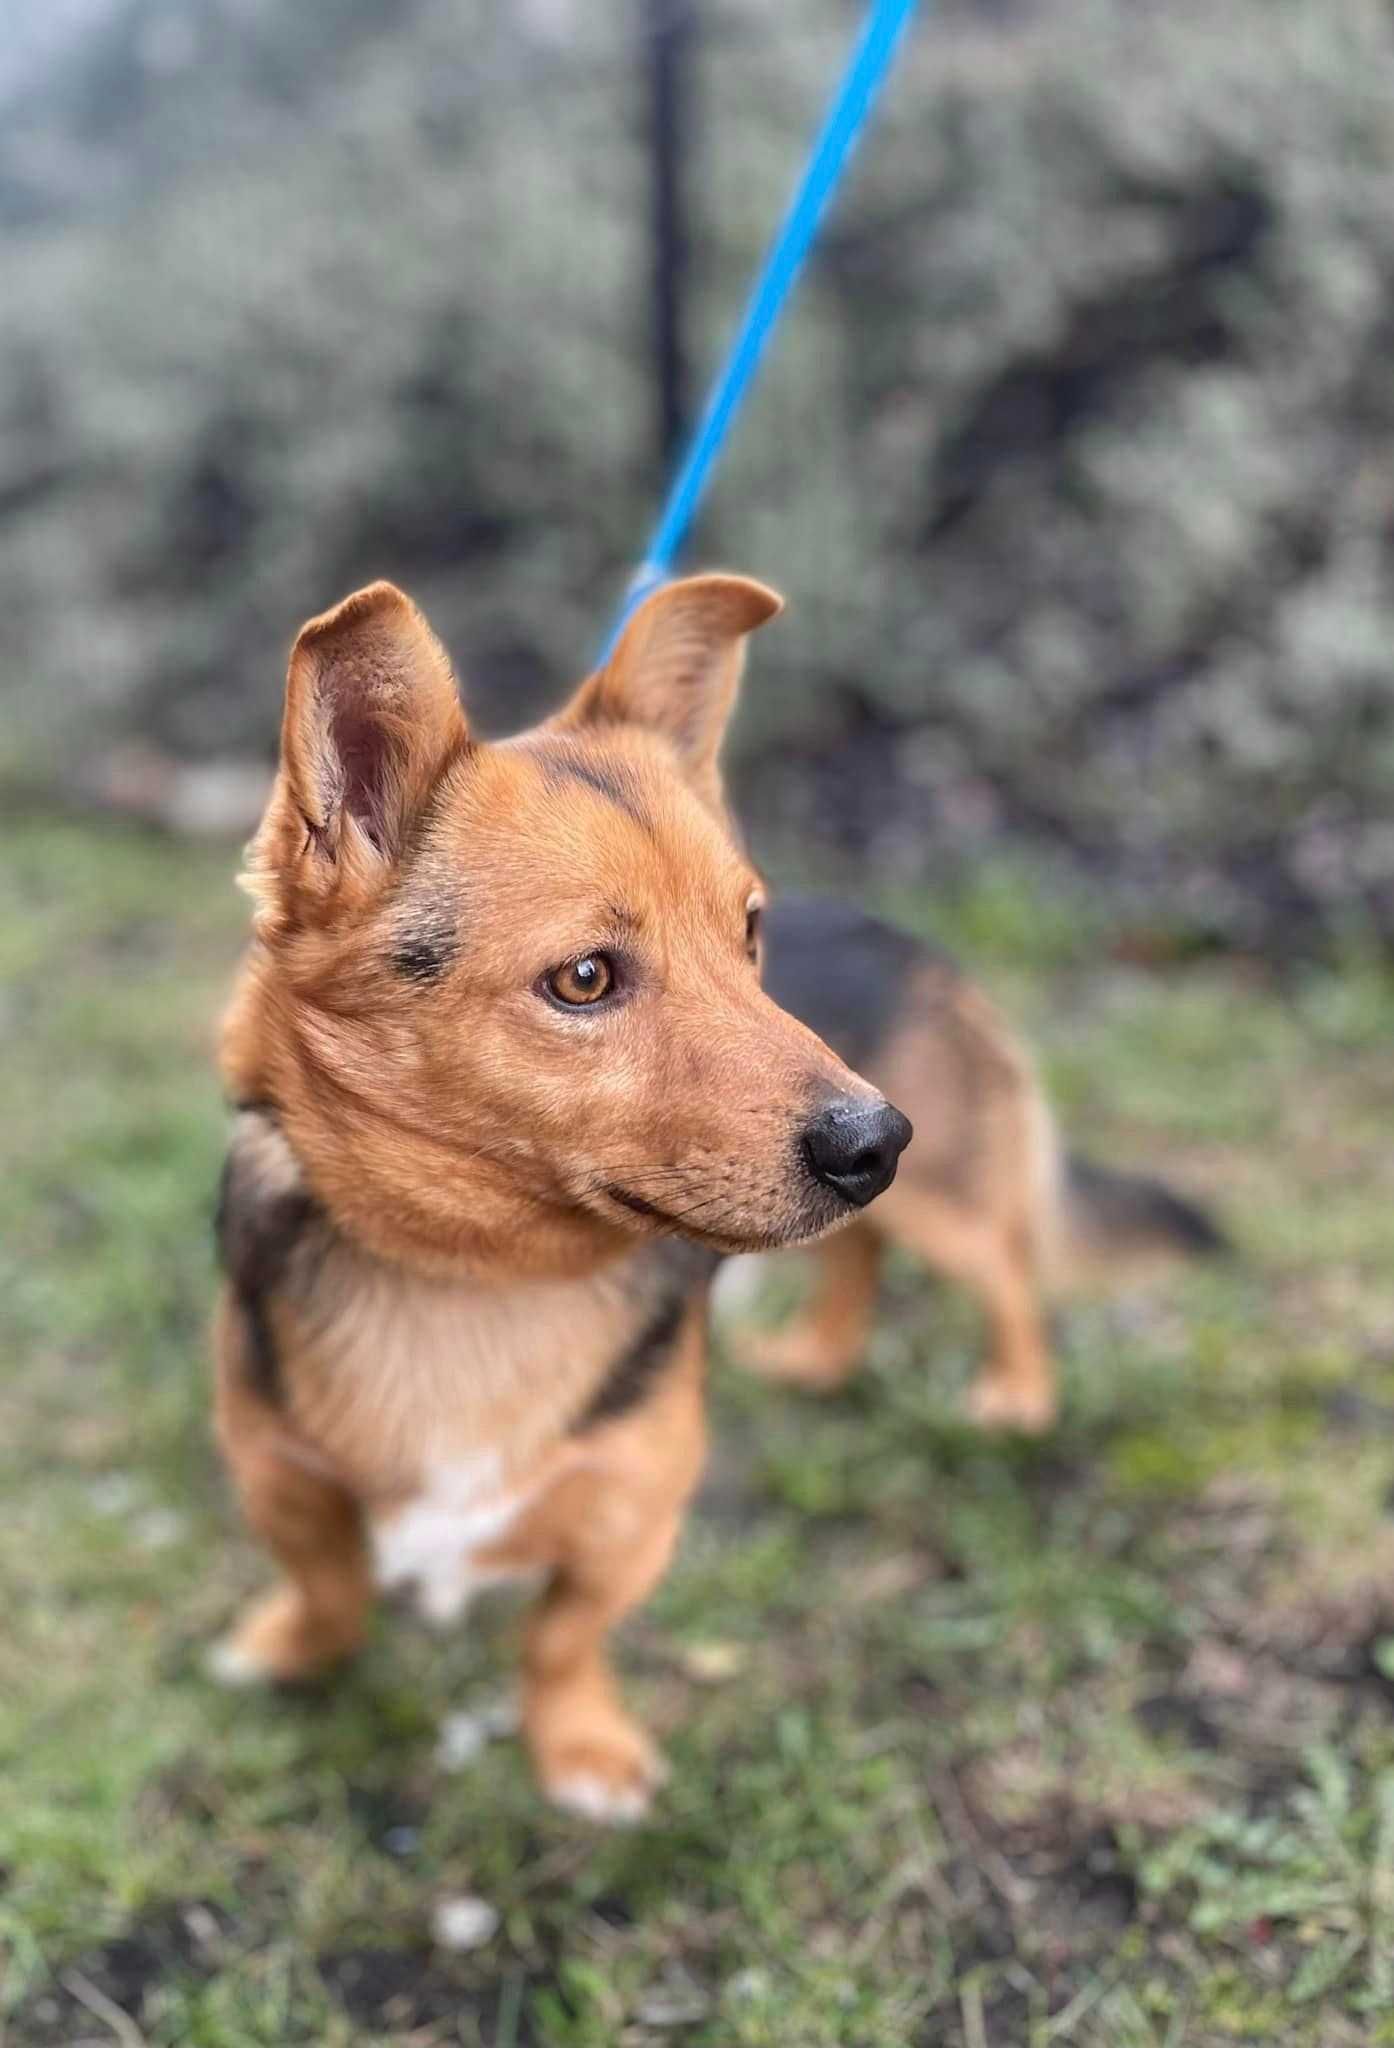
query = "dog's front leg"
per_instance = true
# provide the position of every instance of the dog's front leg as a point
(313, 1527)
(590, 1754)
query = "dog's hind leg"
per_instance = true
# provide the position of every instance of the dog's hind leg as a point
(314, 1529)
(1016, 1388)
(824, 1344)
(994, 1258)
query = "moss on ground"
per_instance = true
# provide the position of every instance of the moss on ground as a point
(1088, 1741)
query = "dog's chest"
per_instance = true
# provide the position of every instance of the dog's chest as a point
(456, 1408)
(432, 1541)
(485, 1392)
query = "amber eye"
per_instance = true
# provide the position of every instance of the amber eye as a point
(754, 917)
(582, 981)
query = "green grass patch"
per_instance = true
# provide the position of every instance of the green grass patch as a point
(1085, 1741)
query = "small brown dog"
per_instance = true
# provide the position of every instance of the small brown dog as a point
(988, 1197)
(508, 1086)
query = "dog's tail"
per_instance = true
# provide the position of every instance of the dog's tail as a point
(1108, 1219)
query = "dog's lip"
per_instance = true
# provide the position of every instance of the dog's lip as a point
(764, 1241)
(638, 1204)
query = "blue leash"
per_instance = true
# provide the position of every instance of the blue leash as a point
(843, 123)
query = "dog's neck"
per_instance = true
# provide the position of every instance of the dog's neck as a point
(382, 1367)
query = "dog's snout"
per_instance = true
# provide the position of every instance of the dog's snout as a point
(853, 1147)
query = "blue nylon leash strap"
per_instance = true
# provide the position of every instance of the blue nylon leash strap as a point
(866, 73)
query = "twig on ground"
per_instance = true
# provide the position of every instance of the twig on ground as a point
(104, 2008)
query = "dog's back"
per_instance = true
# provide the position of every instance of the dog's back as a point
(987, 1195)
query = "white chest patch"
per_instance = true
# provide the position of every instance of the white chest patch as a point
(430, 1543)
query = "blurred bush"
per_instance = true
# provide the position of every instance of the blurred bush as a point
(1074, 459)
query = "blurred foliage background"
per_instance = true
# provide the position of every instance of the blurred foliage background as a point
(1075, 459)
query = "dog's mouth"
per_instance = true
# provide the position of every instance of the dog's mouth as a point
(714, 1220)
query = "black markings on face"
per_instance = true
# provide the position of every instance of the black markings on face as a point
(425, 930)
(613, 779)
(423, 956)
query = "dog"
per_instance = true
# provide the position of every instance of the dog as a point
(507, 1089)
(988, 1197)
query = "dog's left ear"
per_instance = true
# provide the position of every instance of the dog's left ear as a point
(676, 670)
(372, 721)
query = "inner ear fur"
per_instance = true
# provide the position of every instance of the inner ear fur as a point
(676, 670)
(372, 719)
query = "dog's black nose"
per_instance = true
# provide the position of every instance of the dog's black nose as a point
(853, 1147)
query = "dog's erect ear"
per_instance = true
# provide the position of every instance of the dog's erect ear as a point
(677, 667)
(372, 719)
(372, 716)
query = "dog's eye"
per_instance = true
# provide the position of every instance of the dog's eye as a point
(582, 981)
(754, 916)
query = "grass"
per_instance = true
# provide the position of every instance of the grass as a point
(992, 1744)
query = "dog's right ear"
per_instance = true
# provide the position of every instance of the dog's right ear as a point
(676, 668)
(372, 720)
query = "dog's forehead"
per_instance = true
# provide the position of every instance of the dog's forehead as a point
(567, 809)
(582, 799)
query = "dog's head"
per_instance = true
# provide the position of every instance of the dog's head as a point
(506, 998)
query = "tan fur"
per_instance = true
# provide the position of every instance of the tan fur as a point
(476, 1178)
(977, 1200)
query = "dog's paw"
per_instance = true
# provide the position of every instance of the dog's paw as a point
(609, 1778)
(229, 1663)
(278, 1642)
(599, 1799)
(998, 1404)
